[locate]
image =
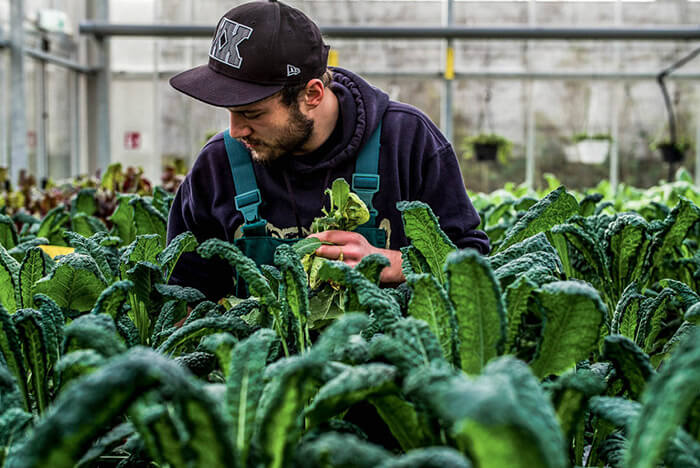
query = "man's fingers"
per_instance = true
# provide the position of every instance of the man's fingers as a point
(331, 252)
(336, 237)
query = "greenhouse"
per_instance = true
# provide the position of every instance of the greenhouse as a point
(350, 233)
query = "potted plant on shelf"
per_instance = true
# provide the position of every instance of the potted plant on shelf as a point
(671, 152)
(592, 148)
(487, 147)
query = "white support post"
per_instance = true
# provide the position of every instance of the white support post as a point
(157, 152)
(615, 108)
(42, 169)
(530, 137)
(18, 116)
(697, 152)
(531, 127)
(75, 124)
(4, 160)
(446, 118)
(98, 94)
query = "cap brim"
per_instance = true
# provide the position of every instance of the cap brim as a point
(219, 90)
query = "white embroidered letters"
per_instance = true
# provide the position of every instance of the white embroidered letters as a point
(229, 36)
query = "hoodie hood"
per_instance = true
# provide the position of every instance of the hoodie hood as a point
(361, 109)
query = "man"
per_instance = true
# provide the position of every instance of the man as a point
(294, 127)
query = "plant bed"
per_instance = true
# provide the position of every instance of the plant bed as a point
(578, 333)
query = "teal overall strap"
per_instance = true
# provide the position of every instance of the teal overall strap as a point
(248, 198)
(365, 180)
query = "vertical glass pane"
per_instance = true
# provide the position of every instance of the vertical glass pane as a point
(59, 122)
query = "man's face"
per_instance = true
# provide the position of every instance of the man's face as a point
(270, 129)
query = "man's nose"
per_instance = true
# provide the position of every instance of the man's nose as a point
(238, 127)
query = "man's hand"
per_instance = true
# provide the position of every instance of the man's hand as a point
(354, 247)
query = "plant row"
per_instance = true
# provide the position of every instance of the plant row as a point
(573, 344)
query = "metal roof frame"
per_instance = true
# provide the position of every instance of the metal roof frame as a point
(105, 29)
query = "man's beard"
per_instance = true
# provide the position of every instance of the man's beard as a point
(294, 135)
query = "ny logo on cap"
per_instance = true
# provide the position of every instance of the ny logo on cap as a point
(228, 37)
(292, 70)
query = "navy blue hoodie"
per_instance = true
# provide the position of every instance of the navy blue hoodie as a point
(416, 162)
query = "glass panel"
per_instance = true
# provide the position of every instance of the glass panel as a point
(59, 122)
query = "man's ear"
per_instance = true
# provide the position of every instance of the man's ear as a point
(313, 93)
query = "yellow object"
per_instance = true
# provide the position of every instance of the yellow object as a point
(54, 250)
(450, 64)
(332, 58)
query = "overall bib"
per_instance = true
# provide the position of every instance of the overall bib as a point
(256, 243)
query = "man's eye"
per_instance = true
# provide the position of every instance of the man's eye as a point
(252, 116)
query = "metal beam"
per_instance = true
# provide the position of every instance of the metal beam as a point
(60, 61)
(104, 29)
(475, 74)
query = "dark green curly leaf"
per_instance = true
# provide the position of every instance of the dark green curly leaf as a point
(53, 225)
(553, 209)
(145, 248)
(665, 404)
(203, 327)
(423, 230)
(504, 418)
(295, 291)
(33, 268)
(11, 348)
(626, 315)
(429, 302)
(371, 266)
(8, 232)
(574, 314)
(83, 413)
(479, 309)
(123, 219)
(352, 386)
(75, 283)
(279, 418)
(570, 394)
(93, 331)
(113, 299)
(244, 387)
(341, 451)
(535, 244)
(32, 339)
(148, 220)
(182, 243)
(413, 262)
(517, 299)
(627, 243)
(9, 270)
(631, 363)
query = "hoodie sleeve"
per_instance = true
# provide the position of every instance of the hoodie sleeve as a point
(190, 212)
(442, 187)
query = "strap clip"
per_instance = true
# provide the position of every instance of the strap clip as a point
(247, 203)
(366, 185)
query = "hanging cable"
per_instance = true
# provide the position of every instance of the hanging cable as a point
(667, 99)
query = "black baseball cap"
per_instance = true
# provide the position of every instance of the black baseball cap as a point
(258, 47)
